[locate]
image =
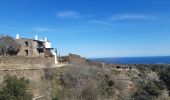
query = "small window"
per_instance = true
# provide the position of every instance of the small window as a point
(26, 43)
(26, 52)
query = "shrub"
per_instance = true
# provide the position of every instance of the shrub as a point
(147, 91)
(56, 98)
(14, 88)
(107, 86)
(48, 72)
(165, 77)
(86, 82)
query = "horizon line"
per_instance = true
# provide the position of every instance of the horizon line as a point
(126, 57)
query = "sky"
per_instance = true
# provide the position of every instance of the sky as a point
(92, 28)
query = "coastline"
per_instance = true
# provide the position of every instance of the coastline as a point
(135, 60)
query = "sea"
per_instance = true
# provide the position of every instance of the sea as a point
(135, 60)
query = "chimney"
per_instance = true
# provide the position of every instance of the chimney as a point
(45, 39)
(17, 36)
(36, 37)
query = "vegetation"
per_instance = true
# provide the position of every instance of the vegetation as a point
(165, 77)
(96, 82)
(8, 46)
(14, 88)
(80, 82)
(48, 72)
(147, 91)
(107, 87)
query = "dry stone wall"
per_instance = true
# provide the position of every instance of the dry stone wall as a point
(26, 60)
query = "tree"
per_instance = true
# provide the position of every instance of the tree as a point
(15, 89)
(8, 46)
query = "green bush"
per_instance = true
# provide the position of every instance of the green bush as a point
(152, 89)
(165, 76)
(55, 98)
(107, 86)
(14, 88)
(147, 91)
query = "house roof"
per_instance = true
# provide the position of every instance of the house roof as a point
(31, 39)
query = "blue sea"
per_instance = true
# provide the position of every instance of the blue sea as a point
(135, 60)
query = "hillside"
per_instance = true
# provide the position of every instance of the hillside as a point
(83, 79)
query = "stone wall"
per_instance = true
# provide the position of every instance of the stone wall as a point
(28, 47)
(26, 60)
(24, 47)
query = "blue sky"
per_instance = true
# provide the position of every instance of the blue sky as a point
(92, 28)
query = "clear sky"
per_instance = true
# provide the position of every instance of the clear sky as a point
(92, 28)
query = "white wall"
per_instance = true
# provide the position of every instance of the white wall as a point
(47, 45)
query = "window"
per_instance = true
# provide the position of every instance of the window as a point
(26, 43)
(26, 52)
